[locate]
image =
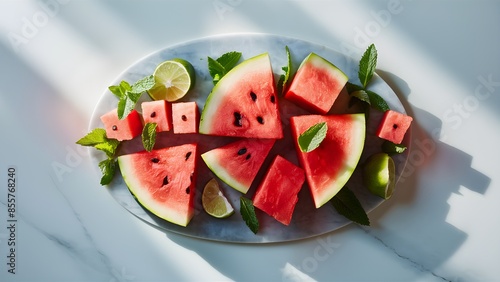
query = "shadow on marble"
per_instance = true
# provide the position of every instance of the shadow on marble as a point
(434, 173)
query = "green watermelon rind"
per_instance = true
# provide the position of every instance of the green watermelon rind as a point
(214, 99)
(212, 163)
(358, 134)
(319, 61)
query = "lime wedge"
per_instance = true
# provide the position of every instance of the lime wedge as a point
(173, 79)
(214, 202)
(379, 175)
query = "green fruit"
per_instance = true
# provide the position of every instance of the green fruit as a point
(379, 175)
(214, 202)
(173, 79)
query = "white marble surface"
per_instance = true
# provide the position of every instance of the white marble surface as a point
(441, 58)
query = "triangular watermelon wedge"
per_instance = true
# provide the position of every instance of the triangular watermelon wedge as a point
(163, 181)
(244, 103)
(329, 167)
(238, 163)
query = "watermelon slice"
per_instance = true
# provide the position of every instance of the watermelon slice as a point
(277, 194)
(316, 84)
(330, 166)
(122, 129)
(393, 126)
(238, 163)
(158, 112)
(163, 181)
(244, 103)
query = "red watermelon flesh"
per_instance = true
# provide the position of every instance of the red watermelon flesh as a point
(158, 112)
(330, 166)
(122, 129)
(316, 85)
(238, 163)
(393, 126)
(185, 117)
(277, 194)
(244, 103)
(163, 181)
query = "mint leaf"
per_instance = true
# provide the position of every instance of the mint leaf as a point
(96, 136)
(143, 84)
(229, 60)
(108, 169)
(377, 102)
(108, 147)
(346, 204)
(361, 95)
(392, 149)
(127, 103)
(351, 87)
(247, 211)
(219, 67)
(282, 82)
(117, 90)
(312, 137)
(149, 136)
(97, 139)
(216, 70)
(367, 65)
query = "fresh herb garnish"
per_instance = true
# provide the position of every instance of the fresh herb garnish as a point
(222, 65)
(97, 139)
(108, 169)
(149, 136)
(392, 149)
(312, 137)
(346, 204)
(367, 66)
(282, 83)
(130, 94)
(247, 211)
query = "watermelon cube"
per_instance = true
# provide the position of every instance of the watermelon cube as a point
(122, 129)
(185, 117)
(158, 112)
(277, 194)
(393, 126)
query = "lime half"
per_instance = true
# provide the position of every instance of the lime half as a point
(379, 175)
(214, 202)
(173, 79)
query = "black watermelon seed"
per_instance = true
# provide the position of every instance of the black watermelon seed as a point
(165, 181)
(153, 114)
(254, 96)
(114, 127)
(260, 120)
(155, 160)
(237, 119)
(248, 157)
(188, 190)
(273, 100)
(188, 154)
(242, 151)
(394, 126)
(184, 118)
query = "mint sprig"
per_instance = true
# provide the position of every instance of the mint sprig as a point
(367, 66)
(283, 81)
(247, 211)
(222, 65)
(129, 95)
(312, 137)
(149, 136)
(97, 138)
(346, 204)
